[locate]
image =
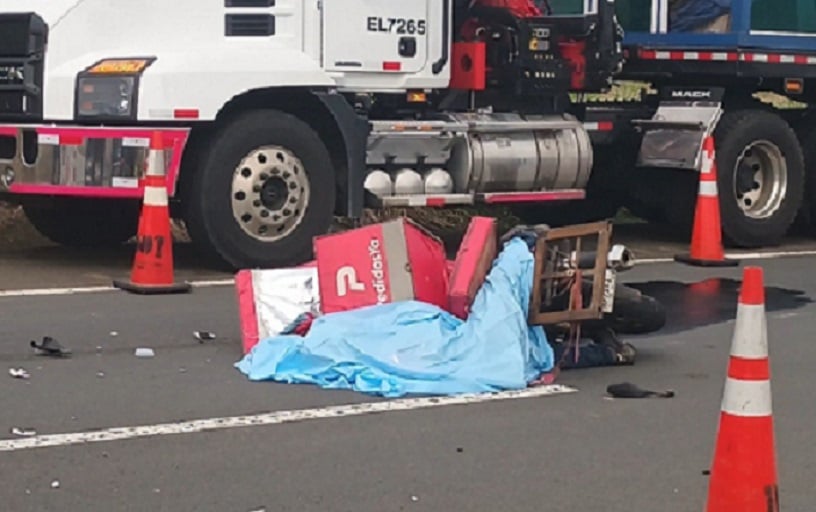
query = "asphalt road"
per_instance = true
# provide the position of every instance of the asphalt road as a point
(571, 452)
(44, 265)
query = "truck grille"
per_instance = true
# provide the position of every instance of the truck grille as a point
(23, 39)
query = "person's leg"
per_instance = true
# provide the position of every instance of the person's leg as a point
(604, 349)
(625, 353)
(590, 355)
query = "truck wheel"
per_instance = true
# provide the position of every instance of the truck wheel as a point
(807, 135)
(761, 177)
(266, 187)
(83, 222)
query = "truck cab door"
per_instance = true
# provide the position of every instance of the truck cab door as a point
(377, 36)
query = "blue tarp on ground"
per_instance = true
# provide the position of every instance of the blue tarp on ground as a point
(412, 347)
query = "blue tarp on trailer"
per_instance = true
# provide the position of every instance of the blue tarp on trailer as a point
(689, 15)
(769, 25)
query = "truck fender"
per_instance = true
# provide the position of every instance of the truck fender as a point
(185, 80)
(355, 130)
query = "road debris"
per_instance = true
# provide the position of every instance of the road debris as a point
(55, 484)
(363, 342)
(629, 390)
(144, 353)
(19, 373)
(23, 432)
(374, 350)
(50, 347)
(203, 336)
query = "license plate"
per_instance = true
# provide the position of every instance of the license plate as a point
(609, 291)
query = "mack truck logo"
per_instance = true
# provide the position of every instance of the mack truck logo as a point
(697, 95)
(10, 75)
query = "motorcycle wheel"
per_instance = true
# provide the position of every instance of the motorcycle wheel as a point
(635, 313)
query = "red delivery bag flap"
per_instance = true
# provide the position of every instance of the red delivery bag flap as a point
(387, 262)
(473, 262)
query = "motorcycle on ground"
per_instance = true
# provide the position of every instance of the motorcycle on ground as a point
(577, 286)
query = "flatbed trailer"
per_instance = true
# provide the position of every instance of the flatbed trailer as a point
(742, 71)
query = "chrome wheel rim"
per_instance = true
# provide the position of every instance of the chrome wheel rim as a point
(270, 193)
(760, 180)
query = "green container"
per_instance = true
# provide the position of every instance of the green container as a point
(634, 15)
(784, 15)
(567, 7)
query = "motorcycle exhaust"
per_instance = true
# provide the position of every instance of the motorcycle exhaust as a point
(619, 258)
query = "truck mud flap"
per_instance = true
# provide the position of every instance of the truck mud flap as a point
(674, 136)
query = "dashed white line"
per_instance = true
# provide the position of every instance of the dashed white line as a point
(273, 418)
(37, 292)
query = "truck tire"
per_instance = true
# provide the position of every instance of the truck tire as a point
(84, 223)
(761, 177)
(265, 188)
(807, 135)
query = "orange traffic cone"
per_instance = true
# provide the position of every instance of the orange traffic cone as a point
(152, 271)
(743, 475)
(706, 239)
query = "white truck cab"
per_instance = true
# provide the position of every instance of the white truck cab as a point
(277, 115)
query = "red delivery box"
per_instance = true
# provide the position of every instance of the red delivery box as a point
(388, 262)
(473, 262)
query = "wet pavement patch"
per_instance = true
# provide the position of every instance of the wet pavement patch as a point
(711, 301)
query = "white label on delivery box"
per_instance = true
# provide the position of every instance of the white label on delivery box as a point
(609, 291)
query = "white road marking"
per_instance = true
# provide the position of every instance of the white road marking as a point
(736, 256)
(273, 418)
(34, 292)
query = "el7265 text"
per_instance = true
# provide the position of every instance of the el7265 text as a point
(408, 26)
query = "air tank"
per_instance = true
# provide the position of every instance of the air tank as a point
(438, 181)
(521, 160)
(379, 183)
(408, 182)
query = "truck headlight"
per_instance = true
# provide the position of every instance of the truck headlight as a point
(109, 89)
(106, 96)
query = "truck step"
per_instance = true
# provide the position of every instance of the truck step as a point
(441, 200)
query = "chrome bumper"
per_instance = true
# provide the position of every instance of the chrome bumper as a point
(83, 161)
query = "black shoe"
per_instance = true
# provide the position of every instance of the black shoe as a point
(626, 355)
